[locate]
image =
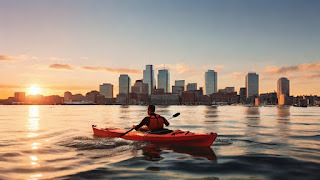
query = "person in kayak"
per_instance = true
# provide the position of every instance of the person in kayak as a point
(153, 121)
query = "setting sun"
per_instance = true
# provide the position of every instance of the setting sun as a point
(34, 90)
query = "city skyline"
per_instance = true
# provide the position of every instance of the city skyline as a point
(50, 49)
(192, 96)
(126, 86)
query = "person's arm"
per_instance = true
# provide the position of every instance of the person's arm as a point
(143, 122)
(165, 121)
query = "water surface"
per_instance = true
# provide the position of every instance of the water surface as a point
(44, 142)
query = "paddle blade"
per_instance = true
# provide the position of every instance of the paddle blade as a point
(176, 114)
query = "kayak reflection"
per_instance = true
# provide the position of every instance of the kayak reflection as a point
(152, 152)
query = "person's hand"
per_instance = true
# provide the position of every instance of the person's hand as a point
(133, 127)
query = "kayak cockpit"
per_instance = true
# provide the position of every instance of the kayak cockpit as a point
(160, 131)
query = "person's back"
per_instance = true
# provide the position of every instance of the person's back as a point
(152, 121)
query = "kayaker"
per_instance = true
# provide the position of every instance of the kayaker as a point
(152, 121)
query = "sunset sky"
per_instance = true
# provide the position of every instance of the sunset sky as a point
(75, 45)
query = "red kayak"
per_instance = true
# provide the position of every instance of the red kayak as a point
(176, 137)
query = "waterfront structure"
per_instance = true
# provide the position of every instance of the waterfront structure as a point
(164, 80)
(122, 99)
(252, 85)
(53, 100)
(224, 98)
(191, 86)
(177, 90)
(180, 83)
(148, 77)
(67, 96)
(19, 97)
(78, 98)
(165, 99)
(268, 99)
(100, 99)
(139, 98)
(243, 95)
(92, 96)
(188, 97)
(227, 89)
(124, 84)
(283, 88)
(106, 89)
(139, 87)
(211, 82)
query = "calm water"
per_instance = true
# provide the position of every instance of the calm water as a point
(44, 142)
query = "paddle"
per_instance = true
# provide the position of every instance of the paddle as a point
(175, 115)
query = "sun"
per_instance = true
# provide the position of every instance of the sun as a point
(34, 90)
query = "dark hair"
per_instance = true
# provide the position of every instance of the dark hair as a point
(151, 108)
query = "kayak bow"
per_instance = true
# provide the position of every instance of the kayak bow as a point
(176, 137)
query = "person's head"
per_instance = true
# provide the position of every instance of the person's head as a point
(151, 109)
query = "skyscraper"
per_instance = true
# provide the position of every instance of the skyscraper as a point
(164, 80)
(252, 85)
(124, 84)
(211, 82)
(148, 77)
(106, 89)
(283, 87)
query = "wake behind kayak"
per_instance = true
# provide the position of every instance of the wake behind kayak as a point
(176, 137)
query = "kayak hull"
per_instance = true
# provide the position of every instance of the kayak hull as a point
(176, 137)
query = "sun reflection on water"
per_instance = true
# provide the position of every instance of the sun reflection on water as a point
(34, 177)
(33, 120)
(35, 145)
(34, 160)
(33, 126)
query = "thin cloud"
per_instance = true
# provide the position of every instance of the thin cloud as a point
(7, 58)
(237, 76)
(84, 58)
(61, 66)
(69, 87)
(21, 57)
(293, 69)
(306, 76)
(180, 68)
(57, 59)
(2, 86)
(113, 70)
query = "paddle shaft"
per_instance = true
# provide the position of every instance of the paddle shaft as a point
(175, 115)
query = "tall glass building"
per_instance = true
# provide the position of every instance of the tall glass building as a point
(164, 80)
(211, 82)
(252, 85)
(283, 87)
(124, 84)
(148, 77)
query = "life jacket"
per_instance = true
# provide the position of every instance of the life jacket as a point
(156, 122)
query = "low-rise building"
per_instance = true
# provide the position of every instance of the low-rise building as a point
(268, 99)
(165, 99)
(224, 97)
(188, 97)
